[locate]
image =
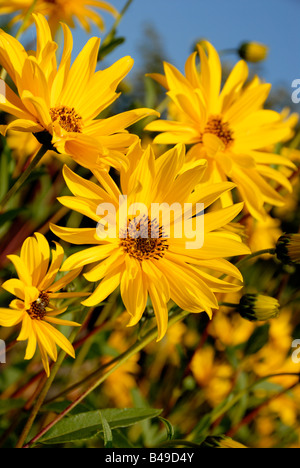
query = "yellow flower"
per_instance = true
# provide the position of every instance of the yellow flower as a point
(59, 104)
(213, 376)
(256, 307)
(228, 127)
(68, 11)
(35, 288)
(288, 249)
(263, 234)
(253, 51)
(139, 253)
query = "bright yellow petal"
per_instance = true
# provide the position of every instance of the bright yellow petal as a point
(133, 291)
(87, 256)
(109, 283)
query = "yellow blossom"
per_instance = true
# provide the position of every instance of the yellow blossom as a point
(35, 290)
(229, 127)
(68, 11)
(136, 253)
(59, 103)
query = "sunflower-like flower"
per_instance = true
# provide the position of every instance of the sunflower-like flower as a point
(143, 238)
(229, 127)
(35, 290)
(59, 104)
(67, 11)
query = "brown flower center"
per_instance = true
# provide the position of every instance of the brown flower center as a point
(221, 129)
(144, 239)
(67, 118)
(37, 309)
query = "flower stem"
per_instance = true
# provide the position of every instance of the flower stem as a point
(255, 254)
(138, 346)
(228, 304)
(107, 39)
(22, 179)
(43, 394)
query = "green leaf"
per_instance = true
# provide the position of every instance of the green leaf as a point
(110, 47)
(86, 425)
(169, 427)
(106, 432)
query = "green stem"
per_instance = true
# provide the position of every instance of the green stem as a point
(22, 179)
(228, 304)
(255, 254)
(113, 29)
(25, 20)
(150, 336)
(43, 393)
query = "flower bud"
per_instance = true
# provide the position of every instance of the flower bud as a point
(288, 249)
(253, 52)
(258, 308)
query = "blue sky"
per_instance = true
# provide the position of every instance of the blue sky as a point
(225, 23)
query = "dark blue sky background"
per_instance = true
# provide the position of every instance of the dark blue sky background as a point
(226, 23)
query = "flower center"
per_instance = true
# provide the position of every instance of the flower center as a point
(37, 309)
(215, 126)
(67, 118)
(143, 239)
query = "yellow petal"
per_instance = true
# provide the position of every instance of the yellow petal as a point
(87, 256)
(109, 283)
(133, 290)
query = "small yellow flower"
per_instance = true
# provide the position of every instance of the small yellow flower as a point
(227, 126)
(256, 307)
(288, 249)
(35, 289)
(68, 11)
(212, 375)
(60, 104)
(253, 51)
(137, 253)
